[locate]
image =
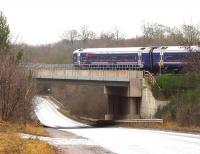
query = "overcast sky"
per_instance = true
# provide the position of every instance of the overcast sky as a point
(44, 21)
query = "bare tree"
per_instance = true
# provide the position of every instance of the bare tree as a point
(117, 34)
(86, 34)
(155, 30)
(158, 34)
(186, 35)
(71, 35)
(16, 90)
(107, 36)
(193, 60)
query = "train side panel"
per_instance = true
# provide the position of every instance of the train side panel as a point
(109, 58)
(174, 60)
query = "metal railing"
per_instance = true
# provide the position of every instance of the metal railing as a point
(151, 78)
(82, 67)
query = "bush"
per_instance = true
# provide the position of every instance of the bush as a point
(183, 91)
(167, 85)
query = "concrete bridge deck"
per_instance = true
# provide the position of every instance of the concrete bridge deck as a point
(69, 72)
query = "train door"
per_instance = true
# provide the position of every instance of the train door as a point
(78, 58)
(161, 64)
(151, 59)
(139, 59)
(156, 59)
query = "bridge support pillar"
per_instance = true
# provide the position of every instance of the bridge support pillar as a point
(133, 107)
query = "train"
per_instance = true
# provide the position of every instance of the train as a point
(153, 59)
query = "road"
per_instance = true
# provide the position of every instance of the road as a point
(120, 140)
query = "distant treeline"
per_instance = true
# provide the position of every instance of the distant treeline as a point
(154, 34)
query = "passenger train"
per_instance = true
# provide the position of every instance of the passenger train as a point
(147, 58)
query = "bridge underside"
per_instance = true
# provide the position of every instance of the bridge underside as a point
(120, 107)
(85, 82)
(121, 103)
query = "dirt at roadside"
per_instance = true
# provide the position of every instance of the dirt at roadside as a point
(74, 149)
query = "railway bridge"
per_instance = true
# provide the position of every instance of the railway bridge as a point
(124, 86)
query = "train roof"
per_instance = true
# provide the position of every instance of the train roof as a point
(177, 49)
(77, 51)
(195, 48)
(172, 49)
(140, 49)
(113, 50)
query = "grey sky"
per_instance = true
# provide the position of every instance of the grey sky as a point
(44, 21)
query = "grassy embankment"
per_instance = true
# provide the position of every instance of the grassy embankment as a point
(12, 143)
(183, 111)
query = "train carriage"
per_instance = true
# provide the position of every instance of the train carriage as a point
(172, 57)
(108, 56)
(147, 58)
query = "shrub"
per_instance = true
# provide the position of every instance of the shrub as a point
(183, 92)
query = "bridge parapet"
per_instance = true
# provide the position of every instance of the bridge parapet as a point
(69, 72)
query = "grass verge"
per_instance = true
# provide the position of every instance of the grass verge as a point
(30, 128)
(12, 143)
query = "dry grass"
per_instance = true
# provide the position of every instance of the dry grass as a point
(32, 146)
(168, 125)
(11, 143)
(34, 129)
(30, 128)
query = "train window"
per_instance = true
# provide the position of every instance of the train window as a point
(173, 57)
(142, 48)
(102, 57)
(93, 57)
(126, 57)
(110, 57)
(75, 57)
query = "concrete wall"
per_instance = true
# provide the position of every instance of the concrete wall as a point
(105, 75)
(149, 104)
